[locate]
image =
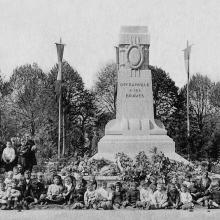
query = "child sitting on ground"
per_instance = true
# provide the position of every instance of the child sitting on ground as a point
(185, 198)
(117, 196)
(160, 197)
(173, 197)
(69, 187)
(27, 190)
(77, 197)
(13, 195)
(3, 196)
(111, 190)
(55, 191)
(203, 188)
(90, 197)
(214, 200)
(132, 196)
(103, 197)
(194, 191)
(41, 191)
(146, 195)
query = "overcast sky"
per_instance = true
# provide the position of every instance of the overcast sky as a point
(90, 29)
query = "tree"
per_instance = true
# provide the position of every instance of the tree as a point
(165, 93)
(78, 105)
(215, 95)
(26, 102)
(104, 89)
(200, 93)
(6, 125)
(176, 126)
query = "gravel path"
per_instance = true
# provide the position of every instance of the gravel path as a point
(49, 214)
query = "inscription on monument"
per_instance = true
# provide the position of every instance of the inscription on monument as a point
(134, 90)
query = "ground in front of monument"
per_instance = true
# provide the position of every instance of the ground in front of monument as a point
(110, 215)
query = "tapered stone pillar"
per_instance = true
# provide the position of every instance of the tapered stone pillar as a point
(135, 128)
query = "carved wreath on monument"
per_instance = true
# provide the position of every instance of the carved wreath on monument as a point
(135, 56)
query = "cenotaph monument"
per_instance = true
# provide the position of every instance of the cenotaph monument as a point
(135, 128)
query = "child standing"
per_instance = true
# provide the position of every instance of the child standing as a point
(23, 153)
(160, 197)
(8, 156)
(8, 179)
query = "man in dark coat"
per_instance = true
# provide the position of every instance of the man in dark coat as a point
(31, 158)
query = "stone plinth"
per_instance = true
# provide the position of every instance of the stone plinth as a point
(134, 128)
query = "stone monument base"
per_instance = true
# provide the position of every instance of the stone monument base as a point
(110, 145)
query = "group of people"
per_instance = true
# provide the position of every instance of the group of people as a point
(23, 190)
(18, 151)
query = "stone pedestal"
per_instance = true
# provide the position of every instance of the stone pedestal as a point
(134, 128)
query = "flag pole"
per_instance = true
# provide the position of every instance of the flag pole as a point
(116, 83)
(187, 52)
(60, 116)
(63, 150)
(188, 123)
(60, 48)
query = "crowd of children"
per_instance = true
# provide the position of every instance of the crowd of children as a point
(24, 190)
(177, 188)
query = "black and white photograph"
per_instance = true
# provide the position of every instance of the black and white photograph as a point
(109, 109)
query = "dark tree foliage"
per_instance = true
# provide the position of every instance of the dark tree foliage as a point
(165, 93)
(78, 104)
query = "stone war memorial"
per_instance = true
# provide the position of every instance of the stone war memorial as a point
(135, 128)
